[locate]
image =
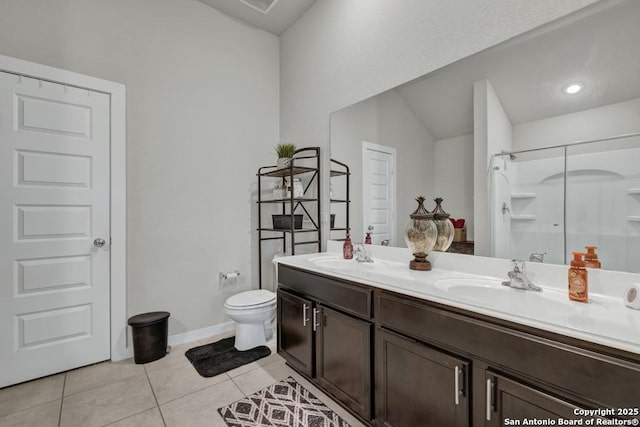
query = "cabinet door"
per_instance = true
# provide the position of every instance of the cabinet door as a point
(417, 385)
(295, 332)
(343, 358)
(507, 400)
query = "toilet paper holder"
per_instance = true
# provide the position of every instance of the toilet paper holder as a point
(231, 275)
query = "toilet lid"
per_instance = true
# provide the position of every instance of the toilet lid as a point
(251, 298)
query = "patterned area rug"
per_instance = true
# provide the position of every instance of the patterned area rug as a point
(284, 404)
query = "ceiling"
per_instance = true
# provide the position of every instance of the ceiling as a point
(276, 21)
(599, 48)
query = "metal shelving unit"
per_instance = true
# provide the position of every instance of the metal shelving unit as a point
(291, 206)
(339, 169)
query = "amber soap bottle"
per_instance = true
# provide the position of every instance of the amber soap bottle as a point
(591, 257)
(578, 279)
(347, 248)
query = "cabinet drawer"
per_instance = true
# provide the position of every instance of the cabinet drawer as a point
(346, 296)
(602, 380)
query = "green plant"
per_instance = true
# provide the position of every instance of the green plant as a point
(285, 150)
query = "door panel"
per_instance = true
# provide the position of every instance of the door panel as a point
(507, 399)
(295, 333)
(345, 374)
(378, 195)
(54, 201)
(418, 385)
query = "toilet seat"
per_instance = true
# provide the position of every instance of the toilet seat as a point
(251, 300)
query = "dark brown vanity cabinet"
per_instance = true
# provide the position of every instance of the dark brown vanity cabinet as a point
(431, 364)
(418, 385)
(325, 332)
(507, 399)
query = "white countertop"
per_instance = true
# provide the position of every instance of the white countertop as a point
(473, 283)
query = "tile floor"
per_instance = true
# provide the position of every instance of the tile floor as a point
(167, 392)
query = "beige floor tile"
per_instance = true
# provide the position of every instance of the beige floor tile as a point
(176, 356)
(109, 403)
(201, 408)
(45, 415)
(179, 379)
(262, 377)
(148, 418)
(100, 374)
(273, 357)
(32, 393)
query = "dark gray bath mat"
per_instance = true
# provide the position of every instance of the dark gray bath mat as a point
(284, 404)
(221, 356)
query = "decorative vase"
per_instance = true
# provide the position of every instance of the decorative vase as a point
(420, 236)
(283, 162)
(444, 227)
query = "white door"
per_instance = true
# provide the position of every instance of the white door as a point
(54, 202)
(378, 191)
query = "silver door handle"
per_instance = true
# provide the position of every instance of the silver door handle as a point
(99, 242)
(304, 314)
(315, 319)
(489, 398)
(456, 380)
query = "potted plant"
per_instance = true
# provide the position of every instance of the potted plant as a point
(285, 154)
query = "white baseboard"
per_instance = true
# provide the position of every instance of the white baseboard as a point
(199, 334)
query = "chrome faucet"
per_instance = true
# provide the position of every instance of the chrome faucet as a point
(360, 253)
(518, 278)
(537, 256)
(385, 242)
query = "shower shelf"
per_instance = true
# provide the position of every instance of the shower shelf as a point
(523, 195)
(523, 217)
(633, 218)
(634, 191)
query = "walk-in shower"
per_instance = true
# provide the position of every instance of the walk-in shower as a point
(558, 199)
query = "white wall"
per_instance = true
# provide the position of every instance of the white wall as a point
(453, 178)
(492, 133)
(602, 122)
(386, 120)
(341, 52)
(202, 115)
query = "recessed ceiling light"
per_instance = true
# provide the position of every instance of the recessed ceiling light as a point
(573, 88)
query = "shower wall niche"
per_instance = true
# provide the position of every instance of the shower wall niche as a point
(558, 200)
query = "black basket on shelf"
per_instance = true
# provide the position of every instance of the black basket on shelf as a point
(283, 222)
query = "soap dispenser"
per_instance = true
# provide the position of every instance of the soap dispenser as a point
(347, 248)
(578, 279)
(591, 257)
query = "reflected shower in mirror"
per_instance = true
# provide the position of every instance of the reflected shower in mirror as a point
(576, 79)
(560, 200)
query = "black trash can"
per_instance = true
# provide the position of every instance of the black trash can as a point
(149, 335)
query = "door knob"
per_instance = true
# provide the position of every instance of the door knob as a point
(99, 242)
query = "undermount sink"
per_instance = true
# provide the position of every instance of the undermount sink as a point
(350, 265)
(335, 263)
(483, 290)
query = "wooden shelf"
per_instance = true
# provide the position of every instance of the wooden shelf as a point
(339, 201)
(339, 173)
(633, 218)
(287, 200)
(523, 195)
(296, 170)
(295, 230)
(633, 191)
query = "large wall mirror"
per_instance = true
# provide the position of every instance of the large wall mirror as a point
(530, 166)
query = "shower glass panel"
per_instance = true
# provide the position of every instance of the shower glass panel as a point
(603, 201)
(528, 205)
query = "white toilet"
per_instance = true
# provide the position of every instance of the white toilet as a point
(253, 312)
